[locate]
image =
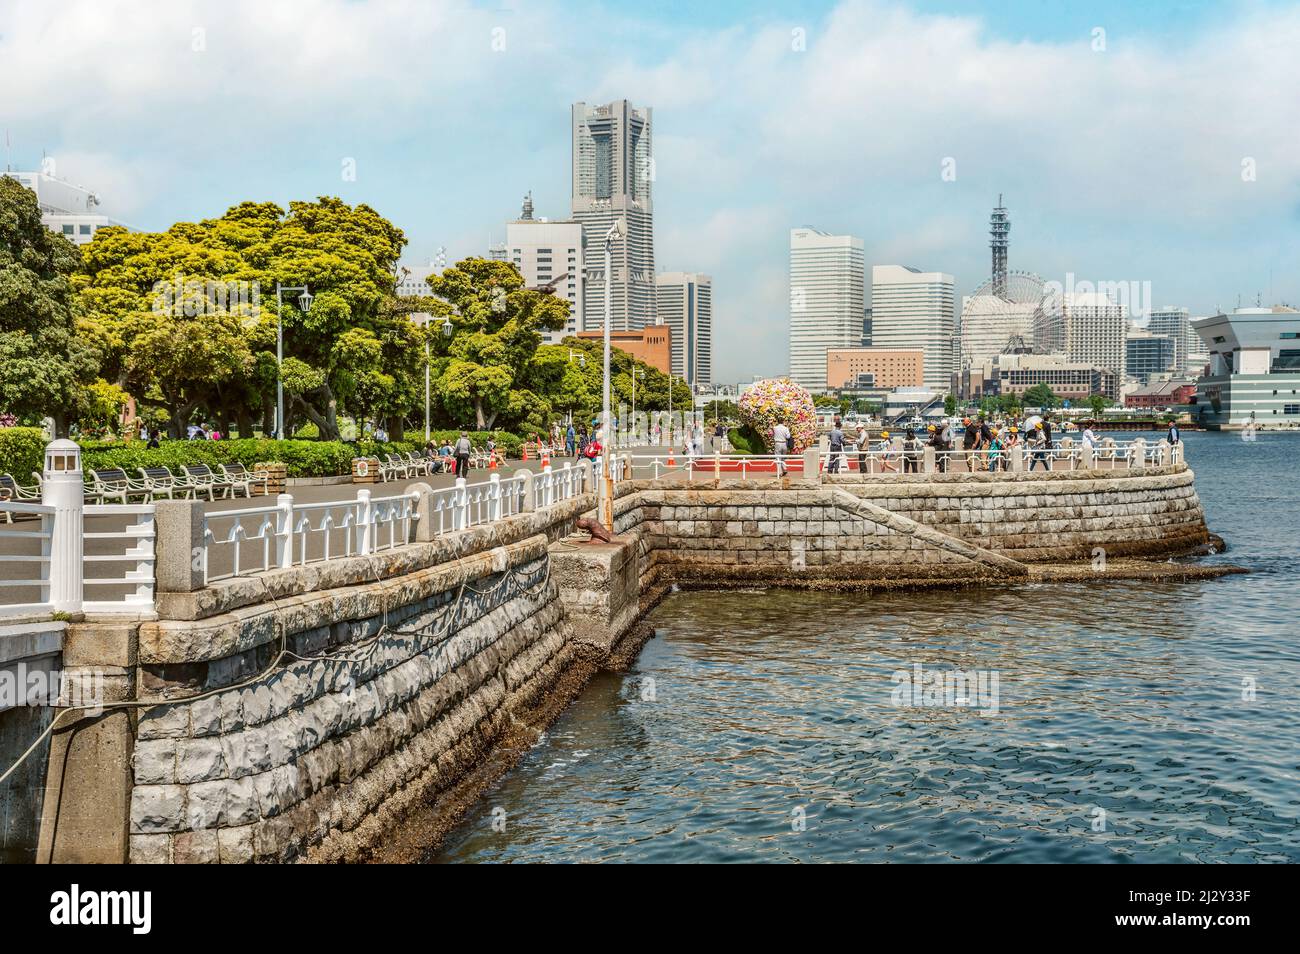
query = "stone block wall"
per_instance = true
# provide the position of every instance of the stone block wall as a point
(1040, 517)
(803, 531)
(301, 724)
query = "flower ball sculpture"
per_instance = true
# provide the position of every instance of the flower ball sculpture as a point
(775, 400)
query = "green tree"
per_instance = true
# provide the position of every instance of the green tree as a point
(950, 404)
(1040, 395)
(496, 331)
(187, 317)
(44, 362)
(1098, 403)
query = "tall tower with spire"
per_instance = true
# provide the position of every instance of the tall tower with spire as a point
(999, 240)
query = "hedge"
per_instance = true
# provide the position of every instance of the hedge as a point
(22, 450)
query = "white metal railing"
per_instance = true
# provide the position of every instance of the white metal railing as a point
(893, 457)
(29, 571)
(288, 533)
(138, 547)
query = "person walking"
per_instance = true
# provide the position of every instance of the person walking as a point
(837, 447)
(970, 440)
(1173, 436)
(462, 451)
(994, 450)
(781, 445)
(913, 449)
(1037, 447)
(591, 450)
(864, 448)
(570, 442)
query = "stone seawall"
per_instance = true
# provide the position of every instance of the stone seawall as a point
(1058, 516)
(307, 712)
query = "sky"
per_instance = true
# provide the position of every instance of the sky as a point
(1132, 142)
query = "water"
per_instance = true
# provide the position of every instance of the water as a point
(771, 735)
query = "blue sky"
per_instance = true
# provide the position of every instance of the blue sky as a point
(1118, 163)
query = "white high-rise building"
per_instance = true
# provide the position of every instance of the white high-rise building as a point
(1088, 328)
(1177, 324)
(550, 256)
(613, 170)
(686, 306)
(65, 208)
(914, 309)
(826, 301)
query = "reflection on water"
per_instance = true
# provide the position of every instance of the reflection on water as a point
(760, 726)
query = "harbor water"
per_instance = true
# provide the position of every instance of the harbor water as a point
(1112, 721)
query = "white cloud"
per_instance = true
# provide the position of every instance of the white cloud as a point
(1123, 164)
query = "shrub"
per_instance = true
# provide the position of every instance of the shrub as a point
(22, 450)
(746, 440)
(301, 458)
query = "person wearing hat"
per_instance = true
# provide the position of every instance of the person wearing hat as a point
(912, 451)
(996, 460)
(864, 447)
(1037, 447)
(887, 462)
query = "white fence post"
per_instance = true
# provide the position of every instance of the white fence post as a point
(62, 489)
(365, 522)
(460, 515)
(284, 531)
(548, 486)
(567, 480)
(495, 508)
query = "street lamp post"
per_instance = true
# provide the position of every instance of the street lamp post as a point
(582, 363)
(636, 373)
(607, 485)
(304, 302)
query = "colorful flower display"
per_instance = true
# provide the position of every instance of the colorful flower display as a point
(775, 400)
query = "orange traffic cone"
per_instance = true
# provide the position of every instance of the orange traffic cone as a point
(492, 461)
(546, 457)
(671, 462)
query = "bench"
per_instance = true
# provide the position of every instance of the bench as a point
(240, 476)
(393, 467)
(11, 490)
(163, 483)
(114, 483)
(202, 478)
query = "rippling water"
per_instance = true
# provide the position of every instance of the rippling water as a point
(760, 726)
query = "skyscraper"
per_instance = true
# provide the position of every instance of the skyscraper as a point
(613, 169)
(1177, 324)
(1087, 327)
(914, 309)
(826, 301)
(686, 306)
(549, 254)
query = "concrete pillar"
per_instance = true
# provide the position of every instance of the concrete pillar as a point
(180, 566)
(1138, 454)
(424, 530)
(62, 489)
(927, 459)
(529, 495)
(812, 463)
(1018, 459)
(1163, 450)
